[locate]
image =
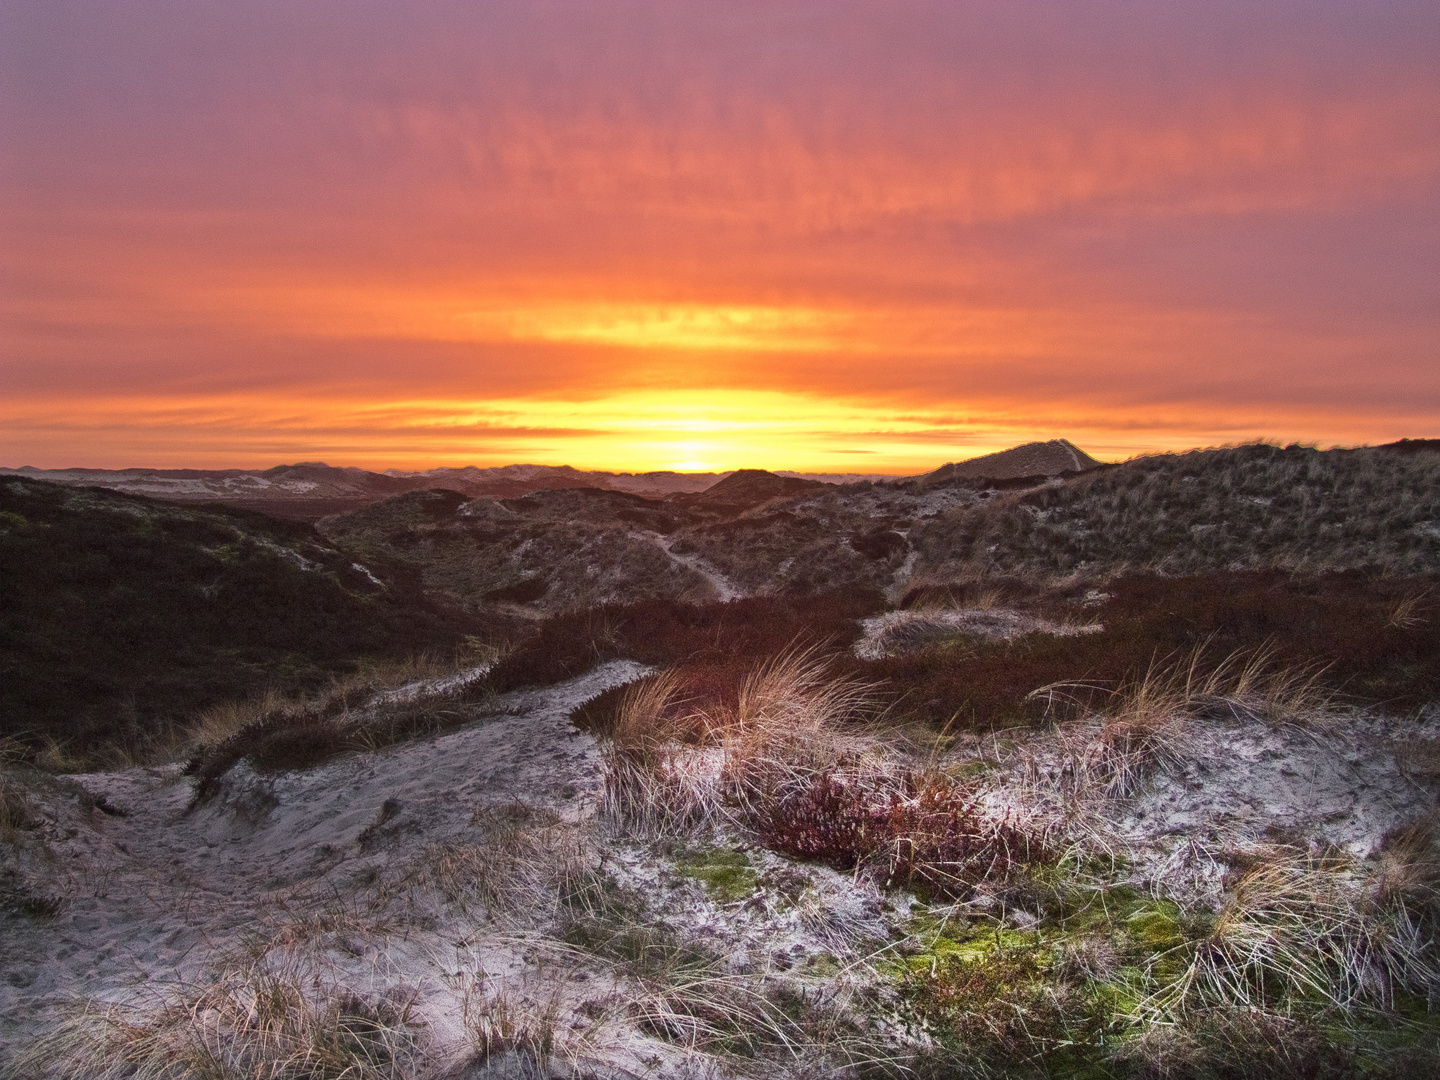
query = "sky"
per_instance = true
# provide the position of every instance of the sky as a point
(829, 236)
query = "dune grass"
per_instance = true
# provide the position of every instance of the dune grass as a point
(253, 1018)
(380, 705)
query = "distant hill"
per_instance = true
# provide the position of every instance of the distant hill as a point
(1057, 457)
(747, 488)
(121, 615)
(311, 490)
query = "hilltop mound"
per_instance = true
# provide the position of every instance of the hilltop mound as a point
(749, 487)
(1054, 458)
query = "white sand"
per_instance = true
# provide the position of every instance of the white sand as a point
(155, 900)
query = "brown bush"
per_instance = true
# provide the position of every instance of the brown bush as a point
(923, 834)
(666, 632)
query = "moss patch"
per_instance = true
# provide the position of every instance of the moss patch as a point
(726, 874)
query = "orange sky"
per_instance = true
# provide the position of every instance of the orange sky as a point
(849, 237)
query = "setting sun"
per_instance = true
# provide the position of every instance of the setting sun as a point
(855, 241)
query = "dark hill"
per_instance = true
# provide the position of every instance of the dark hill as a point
(1054, 458)
(121, 615)
(747, 488)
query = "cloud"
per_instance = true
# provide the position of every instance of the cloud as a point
(1107, 217)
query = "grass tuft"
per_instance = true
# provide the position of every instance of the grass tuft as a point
(252, 1020)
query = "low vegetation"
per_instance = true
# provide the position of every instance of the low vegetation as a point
(257, 1016)
(993, 842)
(1248, 508)
(379, 706)
(1369, 640)
(122, 617)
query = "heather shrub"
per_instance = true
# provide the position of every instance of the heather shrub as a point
(122, 617)
(1373, 639)
(923, 833)
(665, 632)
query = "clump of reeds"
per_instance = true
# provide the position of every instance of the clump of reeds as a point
(252, 1020)
(786, 730)
(785, 763)
(514, 868)
(16, 813)
(1150, 723)
(669, 768)
(1295, 932)
(653, 783)
(521, 1027)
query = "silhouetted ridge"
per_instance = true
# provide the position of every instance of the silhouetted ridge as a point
(750, 487)
(1053, 458)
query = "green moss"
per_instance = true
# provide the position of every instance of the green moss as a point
(726, 874)
(822, 965)
(227, 553)
(968, 769)
(1155, 929)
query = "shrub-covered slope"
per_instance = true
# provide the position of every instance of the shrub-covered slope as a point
(1247, 508)
(554, 550)
(120, 615)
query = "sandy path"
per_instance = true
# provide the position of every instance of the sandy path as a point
(725, 589)
(158, 893)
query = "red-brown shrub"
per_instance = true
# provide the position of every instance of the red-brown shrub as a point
(923, 834)
(1345, 623)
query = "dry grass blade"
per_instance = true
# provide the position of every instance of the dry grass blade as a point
(1405, 614)
(784, 730)
(1294, 931)
(514, 872)
(781, 733)
(653, 785)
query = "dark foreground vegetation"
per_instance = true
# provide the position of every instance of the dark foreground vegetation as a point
(121, 617)
(1365, 640)
(1370, 640)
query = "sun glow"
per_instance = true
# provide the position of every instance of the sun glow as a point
(710, 430)
(808, 239)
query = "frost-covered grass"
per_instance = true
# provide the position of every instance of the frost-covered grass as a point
(779, 876)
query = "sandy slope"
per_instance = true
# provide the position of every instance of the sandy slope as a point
(158, 892)
(340, 873)
(332, 871)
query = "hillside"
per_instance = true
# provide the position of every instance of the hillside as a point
(1127, 772)
(1054, 458)
(1247, 508)
(757, 533)
(310, 490)
(122, 616)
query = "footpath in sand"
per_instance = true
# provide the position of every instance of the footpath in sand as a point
(158, 888)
